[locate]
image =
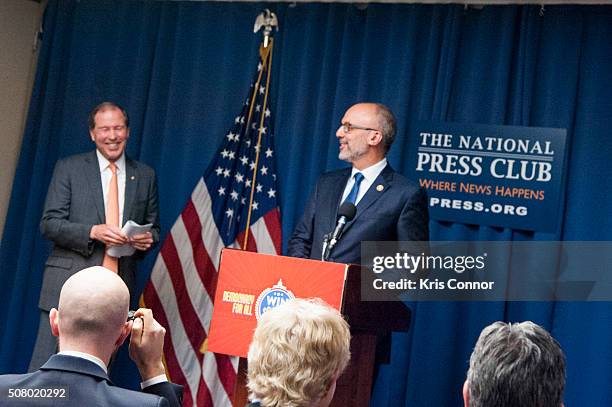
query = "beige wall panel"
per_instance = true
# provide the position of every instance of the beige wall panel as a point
(19, 22)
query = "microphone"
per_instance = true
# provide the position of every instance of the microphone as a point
(346, 213)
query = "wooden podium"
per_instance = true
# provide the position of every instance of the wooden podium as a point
(247, 276)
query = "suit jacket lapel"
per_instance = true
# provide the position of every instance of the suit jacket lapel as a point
(373, 194)
(92, 170)
(131, 184)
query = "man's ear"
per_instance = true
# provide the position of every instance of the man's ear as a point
(54, 321)
(125, 332)
(375, 138)
(466, 394)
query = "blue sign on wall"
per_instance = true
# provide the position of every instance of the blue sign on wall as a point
(506, 176)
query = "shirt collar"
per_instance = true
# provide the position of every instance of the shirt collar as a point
(85, 356)
(103, 162)
(372, 171)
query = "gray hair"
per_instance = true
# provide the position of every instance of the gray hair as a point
(516, 365)
(387, 124)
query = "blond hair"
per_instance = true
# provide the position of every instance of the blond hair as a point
(298, 351)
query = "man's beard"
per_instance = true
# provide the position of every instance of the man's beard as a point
(349, 155)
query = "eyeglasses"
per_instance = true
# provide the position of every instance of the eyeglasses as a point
(347, 127)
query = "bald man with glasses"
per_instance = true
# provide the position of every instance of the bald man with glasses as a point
(389, 207)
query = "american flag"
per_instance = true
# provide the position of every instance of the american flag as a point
(239, 187)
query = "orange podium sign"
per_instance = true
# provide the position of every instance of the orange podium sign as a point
(251, 283)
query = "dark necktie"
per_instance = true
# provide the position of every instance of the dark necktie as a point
(352, 196)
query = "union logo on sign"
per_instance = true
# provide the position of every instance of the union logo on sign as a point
(272, 297)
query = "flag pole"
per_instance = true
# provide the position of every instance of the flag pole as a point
(267, 62)
(267, 20)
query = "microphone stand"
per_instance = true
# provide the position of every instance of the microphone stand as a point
(346, 213)
(325, 253)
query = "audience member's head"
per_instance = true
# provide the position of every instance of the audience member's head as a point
(299, 350)
(515, 365)
(92, 313)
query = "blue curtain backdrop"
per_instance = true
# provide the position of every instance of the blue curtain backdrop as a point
(182, 68)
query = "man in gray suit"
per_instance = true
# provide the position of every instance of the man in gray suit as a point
(76, 211)
(91, 322)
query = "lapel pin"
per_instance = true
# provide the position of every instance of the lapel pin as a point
(380, 187)
(132, 178)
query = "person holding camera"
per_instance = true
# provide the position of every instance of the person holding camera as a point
(91, 323)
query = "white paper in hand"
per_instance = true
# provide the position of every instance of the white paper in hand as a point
(130, 229)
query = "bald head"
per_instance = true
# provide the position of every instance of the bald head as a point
(93, 306)
(366, 133)
(380, 117)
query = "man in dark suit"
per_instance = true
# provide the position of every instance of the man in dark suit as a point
(91, 323)
(389, 206)
(90, 196)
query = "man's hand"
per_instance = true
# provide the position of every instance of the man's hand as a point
(146, 344)
(142, 241)
(108, 234)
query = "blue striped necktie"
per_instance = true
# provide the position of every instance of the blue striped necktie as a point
(352, 196)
